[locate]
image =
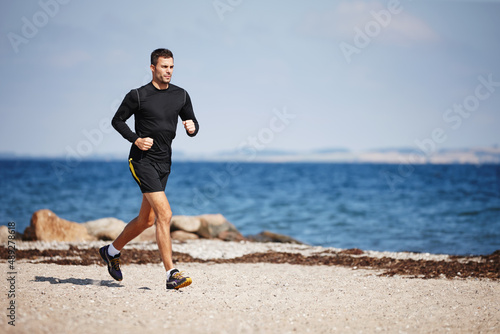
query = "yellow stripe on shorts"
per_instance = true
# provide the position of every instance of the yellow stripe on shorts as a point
(132, 170)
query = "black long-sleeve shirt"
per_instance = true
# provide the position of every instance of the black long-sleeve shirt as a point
(156, 114)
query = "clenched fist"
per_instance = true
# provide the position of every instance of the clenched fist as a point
(144, 143)
(189, 126)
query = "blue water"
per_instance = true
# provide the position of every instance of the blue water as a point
(453, 209)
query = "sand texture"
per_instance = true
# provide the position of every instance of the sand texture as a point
(244, 298)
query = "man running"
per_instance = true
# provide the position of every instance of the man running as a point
(156, 108)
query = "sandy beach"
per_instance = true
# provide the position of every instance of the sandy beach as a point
(234, 297)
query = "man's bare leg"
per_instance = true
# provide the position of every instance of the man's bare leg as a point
(161, 208)
(145, 219)
(159, 203)
(136, 226)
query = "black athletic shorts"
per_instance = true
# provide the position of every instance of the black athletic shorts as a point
(151, 176)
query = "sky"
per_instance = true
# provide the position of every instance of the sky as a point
(267, 75)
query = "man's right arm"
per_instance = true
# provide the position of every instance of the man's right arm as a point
(127, 108)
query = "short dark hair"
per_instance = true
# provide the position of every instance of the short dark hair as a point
(164, 53)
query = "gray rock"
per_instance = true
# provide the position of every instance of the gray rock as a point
(185, 223)
(231, 236)
(183, 235)
(214, 224)
(105, 228)
(268, 236)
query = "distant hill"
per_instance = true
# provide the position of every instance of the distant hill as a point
(405, 155)
(487, 155)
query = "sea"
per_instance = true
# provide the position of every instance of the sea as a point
(440, 209)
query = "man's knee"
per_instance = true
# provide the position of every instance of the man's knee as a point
(165, 217)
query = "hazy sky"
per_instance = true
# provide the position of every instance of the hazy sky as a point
(293, 75)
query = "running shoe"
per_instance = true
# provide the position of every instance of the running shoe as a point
(177, 280)
(113, 263)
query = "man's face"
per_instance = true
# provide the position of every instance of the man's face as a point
(162, 72)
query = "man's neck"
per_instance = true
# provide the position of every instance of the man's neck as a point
(160, 86)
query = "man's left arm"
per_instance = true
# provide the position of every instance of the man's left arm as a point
(188, 118)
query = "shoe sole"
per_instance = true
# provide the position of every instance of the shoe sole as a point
(103, 257)
(187, 282)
